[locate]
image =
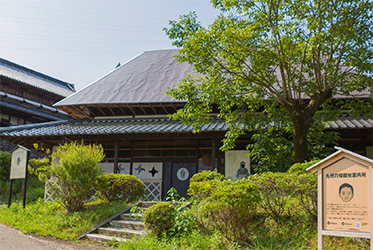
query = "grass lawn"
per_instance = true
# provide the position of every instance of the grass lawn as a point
(50, 219)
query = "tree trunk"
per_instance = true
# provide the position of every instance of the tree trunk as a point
(300, 130)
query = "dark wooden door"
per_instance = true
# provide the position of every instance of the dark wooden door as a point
(180, 176)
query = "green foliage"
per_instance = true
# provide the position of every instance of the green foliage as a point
(119, 186)
(300, 168)
(232, 208)
(40, 168)
(159, 218)
(185, 220)
(5, 161)
(274, 195)
(196, 240)
(202, 184)
(272, 151)
(50, 219)
(75, 170)
(276, 64)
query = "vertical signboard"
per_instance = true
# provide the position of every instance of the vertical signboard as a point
(237, 164)
(19, 163)
(346, 207)
(18, 170)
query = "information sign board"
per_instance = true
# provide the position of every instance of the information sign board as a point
(19, 163)
(345, 189)
(344, 196)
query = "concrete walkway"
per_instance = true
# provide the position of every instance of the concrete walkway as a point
(12, 239)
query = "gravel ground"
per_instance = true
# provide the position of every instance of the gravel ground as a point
(12, 239)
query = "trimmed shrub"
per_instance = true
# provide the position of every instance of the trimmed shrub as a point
(300, 168)
(5, 161)
(275, 190)
(159, 218)
(75, 170)
(115, 186)
(232, 208)
(202, 184)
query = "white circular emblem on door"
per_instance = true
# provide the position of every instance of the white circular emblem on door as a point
(182, 174)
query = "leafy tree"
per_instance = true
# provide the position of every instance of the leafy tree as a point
(280, 64)
(74, 171)
(5, 161)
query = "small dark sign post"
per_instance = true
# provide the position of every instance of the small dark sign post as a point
(18, 170)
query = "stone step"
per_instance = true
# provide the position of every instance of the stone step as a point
(131, 217)
(124, 233)
(135, 225)
(104, 238)
(147, 204)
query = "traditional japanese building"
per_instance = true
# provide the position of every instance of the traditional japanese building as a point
(27, 96)
(127, 112)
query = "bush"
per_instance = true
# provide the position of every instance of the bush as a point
(275, 190)
(40, 168)
(232, 208)
(159, 218)
(202, 184)
(5, 161)
(75, 170)
(300, 168)
(114, 186)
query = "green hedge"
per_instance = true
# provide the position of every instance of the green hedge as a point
(119, 186)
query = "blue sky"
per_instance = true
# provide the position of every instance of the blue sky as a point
(78, 41)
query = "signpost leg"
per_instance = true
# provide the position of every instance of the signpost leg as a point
(320, 242)
(10, 192)
(24, 191)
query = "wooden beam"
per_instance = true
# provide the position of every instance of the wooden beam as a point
(102, 112)
(143, 110)
(151, 106)
(111, 110)
(121, 109)
(133, 112)
(165, 110)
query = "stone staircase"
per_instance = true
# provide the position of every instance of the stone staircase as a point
(119, 227)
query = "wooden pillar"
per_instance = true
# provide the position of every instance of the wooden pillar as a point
(116, 153)
(131, 159)
(218, 158)
(320, 236)
(213, 153)
(370, 171)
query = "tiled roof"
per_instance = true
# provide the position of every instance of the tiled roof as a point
(35, 79)
(130, 126)
(32, 111)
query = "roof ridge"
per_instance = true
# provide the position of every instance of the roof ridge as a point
(32, 125)
(37, 73)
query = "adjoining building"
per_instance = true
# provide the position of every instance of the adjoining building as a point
(127, 112)
(27, 96)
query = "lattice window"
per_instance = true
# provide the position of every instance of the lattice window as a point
(48, 195)
(153, 190)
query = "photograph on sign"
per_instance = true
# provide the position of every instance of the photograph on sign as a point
(345, 202)
(237, 164)
(18, 164)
